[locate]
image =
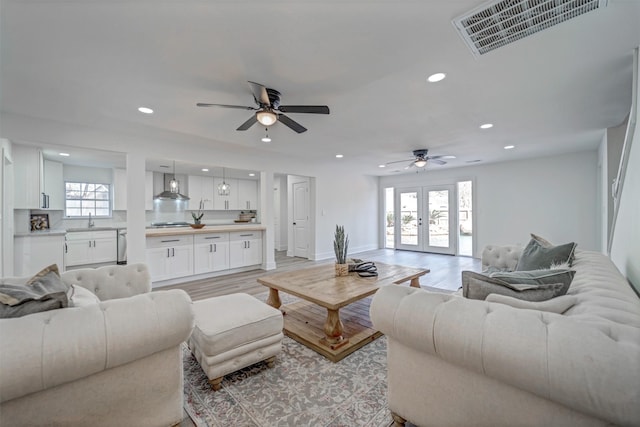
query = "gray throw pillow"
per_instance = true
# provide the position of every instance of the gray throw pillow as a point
(537, 277)
(44, 291)
(479, 286)
(535, 256)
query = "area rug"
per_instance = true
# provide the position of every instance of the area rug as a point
(303, 389)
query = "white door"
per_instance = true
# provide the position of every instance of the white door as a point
(425, 219)
(301, 219)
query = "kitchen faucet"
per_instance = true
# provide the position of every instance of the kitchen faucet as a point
(91, 224)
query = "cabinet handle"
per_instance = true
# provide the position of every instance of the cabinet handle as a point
(173, 251)
(94, 243)
(89, 243)
(210, 247)
(246, 235)
(212, 237)
(167, 252)
(65, 248)
(248, 244)
(215, 248)
(167, 241)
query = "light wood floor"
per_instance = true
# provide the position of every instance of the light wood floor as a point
(445, 272)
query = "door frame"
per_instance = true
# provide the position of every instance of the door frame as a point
(423, 222)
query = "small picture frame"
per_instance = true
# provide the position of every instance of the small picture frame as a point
(39, 222)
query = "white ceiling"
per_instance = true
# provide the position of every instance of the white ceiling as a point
(94, 62)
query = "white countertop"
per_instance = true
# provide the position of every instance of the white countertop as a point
(50, 232)
(174, 231)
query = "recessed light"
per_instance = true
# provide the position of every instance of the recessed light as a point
(252, 174)
(382, 166)
(436, 77)
(205, 170)
(266, 139)
(486, 126)
(64, 154)
(145, 110)
(509, 147)
(339, 156)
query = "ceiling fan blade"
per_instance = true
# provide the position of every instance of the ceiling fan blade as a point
(291, 123)
(240, 107)
(314, 109)
(442, 157)
(439, 162)
(399, 161)
(260, 93)
(246, 125)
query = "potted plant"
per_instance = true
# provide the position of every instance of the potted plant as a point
(197, 216)
(340, 246)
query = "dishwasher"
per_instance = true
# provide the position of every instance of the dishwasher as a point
(122, 245)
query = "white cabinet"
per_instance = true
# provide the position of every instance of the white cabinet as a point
(33, 253)
(120, 190)
(28, 177)
(53, 190)
(169, 257)
(148, 191)
(200, 188)
(229, 202)
(90, 247)
(247, 194)
(210, 252)
(245, 248)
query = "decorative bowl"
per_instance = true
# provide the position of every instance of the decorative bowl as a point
(197, 226)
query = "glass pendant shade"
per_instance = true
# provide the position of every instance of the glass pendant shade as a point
(223, 188)
(420, 163)
(266, 118)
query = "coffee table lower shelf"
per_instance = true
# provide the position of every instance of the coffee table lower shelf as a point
(304, 322)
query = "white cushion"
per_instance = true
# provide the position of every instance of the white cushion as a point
(81, 297)
(554, 305)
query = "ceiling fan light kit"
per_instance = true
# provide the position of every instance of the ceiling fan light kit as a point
(420, 159)
(269, 110)
(266, 117)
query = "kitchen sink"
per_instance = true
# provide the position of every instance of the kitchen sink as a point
(90, 229)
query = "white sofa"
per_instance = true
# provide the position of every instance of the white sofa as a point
(454, 361)
(114, 362)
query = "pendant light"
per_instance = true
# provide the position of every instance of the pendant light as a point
(224, 188)
(173, 193)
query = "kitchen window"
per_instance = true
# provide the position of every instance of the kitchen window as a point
(84, 199)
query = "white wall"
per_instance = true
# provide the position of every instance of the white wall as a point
(555, 197)
(351, 201)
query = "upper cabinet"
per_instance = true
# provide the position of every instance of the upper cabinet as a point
(200, 188)
(120, 190)
(53, 185)
(38, 182)
(229, 202)
(247, 194)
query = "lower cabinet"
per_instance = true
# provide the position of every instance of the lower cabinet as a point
(245, 248)
(90, 247)
(33, 253)
(210, 252)
(169, 257)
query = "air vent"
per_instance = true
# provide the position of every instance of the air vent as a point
(499, 23)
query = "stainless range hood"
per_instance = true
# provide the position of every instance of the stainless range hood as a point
(171, 188)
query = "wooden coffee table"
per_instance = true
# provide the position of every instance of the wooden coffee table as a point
(318, 288)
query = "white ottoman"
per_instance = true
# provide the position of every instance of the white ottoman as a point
(233, 332)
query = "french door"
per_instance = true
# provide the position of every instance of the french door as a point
(425, 219)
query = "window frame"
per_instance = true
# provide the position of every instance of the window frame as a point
(109, 200)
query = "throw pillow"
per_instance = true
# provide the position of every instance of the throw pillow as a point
(537, 277)
(44, 291)
(536, 257)
(479, 286)
(547, 244)
(555, 305)
(82, 297)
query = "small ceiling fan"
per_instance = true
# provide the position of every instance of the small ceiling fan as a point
(420, 159)
(269, 109)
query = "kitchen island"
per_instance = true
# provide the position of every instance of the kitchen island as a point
(180, 254)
